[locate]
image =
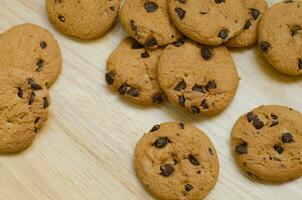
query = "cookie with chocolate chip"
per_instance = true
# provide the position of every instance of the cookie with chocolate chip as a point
(266, 143)
(31, 48)
(248, 36)
(149, 22)
(24, 107)
(199, 78)
(176, 161)
(88, 19)
(280, 37)
(132, 72)
(208, 22)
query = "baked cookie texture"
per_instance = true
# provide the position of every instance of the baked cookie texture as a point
(208, 22)
(148, 22)
(176, 161)
(280, 36)
(87, 19)
(132, 72)
(266, 143)
(254, 10)
(199, 78)
(24, 108)
(31, 48)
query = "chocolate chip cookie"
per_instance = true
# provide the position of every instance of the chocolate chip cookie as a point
(280, 36)
(267, 143)
(248, 37)
(176, 161)
(33, 49)
(210, 22)
(200, 78)
(132, 72)
(24, 107)
(87, 19)
(149, 22)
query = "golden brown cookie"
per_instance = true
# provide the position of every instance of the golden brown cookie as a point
(199, 78)
(266, 143)
(176, 161)
(280, 36)
(87, 19)
(33, 49)
(132, 72)
(24, 107)
(149, 22)
(248, 37)
(210, 22)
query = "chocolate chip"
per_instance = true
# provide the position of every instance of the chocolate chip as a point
(195, 109)
(34, 85)
(182, 1)
(161, 142)
(151, 42)
(122, 89)
(288, 1)
(45, 102)
(211, 85)
(180, 12)
(166, 170)
(193, 160)
(204, 104)
(112, 8)
(247, 25)
(264, 46)
(178, 43)
(43, 45)
(255, 13)
(135, 92)
(250, 116)
(37, 120)
(151, 7)
(145, 55)
(198, 172)
(182, 125)
(188, 187)
(258, 124)
(300, 64)
(198, 88)
(287, 138)
(137, 45)
(210, 152)
(40, 64)
(31, 98)
(274, 120)
(157, 98)
(155, 128)
(182, 100)
(278, 148)
(275, 117)
(180, 86)
(61, 18)
(241, 148)
(206, 53)
(109, 76)
(20, 92)
(224, 33)
(133, 26)
(295, 29)
(219, 1)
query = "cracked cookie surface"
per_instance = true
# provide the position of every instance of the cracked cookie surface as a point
(210, 22)
(176, 161)
(280, 36)
(87, 19)
(132, 72)
(200, 78)
(149, 22)
(266, 143)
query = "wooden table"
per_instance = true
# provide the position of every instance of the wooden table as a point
(85, 150)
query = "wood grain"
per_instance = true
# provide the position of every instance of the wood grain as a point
(86, 148)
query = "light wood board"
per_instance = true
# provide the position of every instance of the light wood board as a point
(85, 150)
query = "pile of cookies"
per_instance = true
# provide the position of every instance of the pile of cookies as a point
(30, 62)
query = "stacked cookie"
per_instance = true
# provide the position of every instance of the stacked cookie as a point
(30, 62)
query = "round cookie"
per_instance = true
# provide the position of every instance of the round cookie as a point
(132, 72)
(149, 22)
(248, 37)
(33, 49)
(23, 104)
(267, 143)
(210, 22)
(200, 78)
(176, 161)
(87, 19)
(280, 36)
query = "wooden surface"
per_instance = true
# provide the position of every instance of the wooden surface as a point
(86, 148)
